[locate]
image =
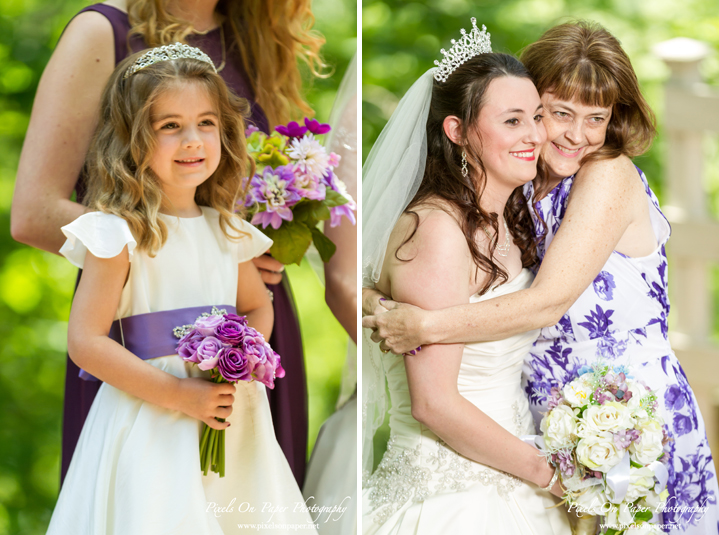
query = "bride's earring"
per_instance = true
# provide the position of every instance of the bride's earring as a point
(465, 171)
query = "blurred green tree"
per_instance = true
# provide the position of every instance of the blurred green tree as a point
(36, 287)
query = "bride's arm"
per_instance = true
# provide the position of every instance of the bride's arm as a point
(601, 207)
(436, 277)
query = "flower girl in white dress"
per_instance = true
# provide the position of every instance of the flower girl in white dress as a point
(160, 245)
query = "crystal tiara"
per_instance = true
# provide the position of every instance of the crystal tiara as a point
(470, 44)
(167, 53)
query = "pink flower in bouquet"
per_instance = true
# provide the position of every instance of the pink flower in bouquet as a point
(310, 187)
(264, 361)
(566, 463)
(242, 320)
(624, 438)
(334, 159)
(347, 209)
(230, 332)
(309, 154)
(207, 353)
(316, 127)
(251, 129)
(555, 398)
(188, 344)
(276, 190)
(602, 397)
(233, 365)
(207, 325)
(292, 129)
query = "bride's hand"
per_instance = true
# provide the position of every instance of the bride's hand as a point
(402, 327)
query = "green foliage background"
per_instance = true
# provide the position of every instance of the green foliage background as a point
(400, 40)
(36, 287)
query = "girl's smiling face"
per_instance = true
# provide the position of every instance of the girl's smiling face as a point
(187, 133)
(573, 131)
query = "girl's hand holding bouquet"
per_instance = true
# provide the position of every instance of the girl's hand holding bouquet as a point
(225, 345)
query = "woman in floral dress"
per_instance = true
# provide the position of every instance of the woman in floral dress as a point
(601, 291)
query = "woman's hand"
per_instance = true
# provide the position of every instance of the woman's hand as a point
(206, 401)
(372, 300)
(269, 268)
(402, 327)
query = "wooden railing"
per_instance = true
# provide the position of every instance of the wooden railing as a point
(691, 109)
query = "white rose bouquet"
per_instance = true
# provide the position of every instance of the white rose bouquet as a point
(604, 436)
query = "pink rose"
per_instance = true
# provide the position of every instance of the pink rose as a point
(208, 324)
(207, 353)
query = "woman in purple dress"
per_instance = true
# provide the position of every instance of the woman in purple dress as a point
(601, 290)
(236, 36)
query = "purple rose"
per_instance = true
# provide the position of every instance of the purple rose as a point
(242, 320)
(233, 365)
(230, 332)
(208, 324)
(292, 129)
(264, 361)
(316, 127)
(188, 344)
(207, 353)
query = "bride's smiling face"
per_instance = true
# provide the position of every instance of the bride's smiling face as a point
(511, 132)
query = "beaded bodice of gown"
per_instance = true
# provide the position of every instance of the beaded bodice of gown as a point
(417, 464)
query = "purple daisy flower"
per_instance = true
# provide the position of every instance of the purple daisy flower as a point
(275, 189)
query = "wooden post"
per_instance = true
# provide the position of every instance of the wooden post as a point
(691, 108)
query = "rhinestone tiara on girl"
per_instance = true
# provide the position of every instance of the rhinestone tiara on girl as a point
(470, 44)
(167, 53)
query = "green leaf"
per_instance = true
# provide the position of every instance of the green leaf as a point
(324, 245)
(291, 241)
(612, 531)
(332, 198)
(643, 516)
(635, 464)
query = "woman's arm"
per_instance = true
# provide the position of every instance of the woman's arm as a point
(436, 277)
(89, 346)
(63, 119)
(253, 300)
(605, 200)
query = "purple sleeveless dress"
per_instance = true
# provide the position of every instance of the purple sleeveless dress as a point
(621, 319)
(288, 400)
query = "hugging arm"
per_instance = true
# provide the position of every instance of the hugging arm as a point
(601, 207)
(438, 276)
(89, 346)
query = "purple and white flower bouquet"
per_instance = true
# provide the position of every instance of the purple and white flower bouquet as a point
(604, 435)
(225, 345)
(294, 188)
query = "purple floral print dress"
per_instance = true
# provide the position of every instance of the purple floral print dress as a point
(622, 318)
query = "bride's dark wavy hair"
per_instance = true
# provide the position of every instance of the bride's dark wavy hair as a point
(463, 95)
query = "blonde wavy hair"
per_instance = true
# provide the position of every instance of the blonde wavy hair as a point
(119, 178)
(272, 35)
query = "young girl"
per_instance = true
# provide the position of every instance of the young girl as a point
(161, 241)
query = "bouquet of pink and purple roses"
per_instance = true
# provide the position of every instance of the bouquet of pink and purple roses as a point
(294, 188)
(233, 351)
(605, 437)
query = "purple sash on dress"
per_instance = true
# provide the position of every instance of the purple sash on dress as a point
(150, 336)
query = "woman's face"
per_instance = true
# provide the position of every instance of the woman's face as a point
(573, 131)
(511, 131)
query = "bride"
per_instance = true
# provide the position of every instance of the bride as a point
(445, 223)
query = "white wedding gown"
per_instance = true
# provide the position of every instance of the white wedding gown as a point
(422, 486)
